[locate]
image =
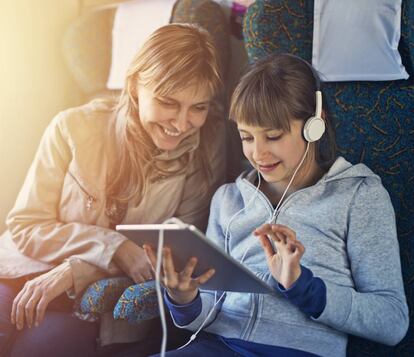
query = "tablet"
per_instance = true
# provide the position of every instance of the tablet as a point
(187, 241)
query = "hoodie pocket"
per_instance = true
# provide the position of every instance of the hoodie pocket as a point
(238, 304)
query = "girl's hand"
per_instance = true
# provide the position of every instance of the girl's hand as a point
(133, 262)
(284, 260)
(29, 306)
(181, 287)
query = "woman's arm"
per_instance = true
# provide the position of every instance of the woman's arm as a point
(34, 221)
(376, 309)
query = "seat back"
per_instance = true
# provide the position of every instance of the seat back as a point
(87, 43)
(374, 124)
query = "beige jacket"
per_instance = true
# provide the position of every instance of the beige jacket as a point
(59, 214)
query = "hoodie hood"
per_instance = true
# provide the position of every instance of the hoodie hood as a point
(342, 169)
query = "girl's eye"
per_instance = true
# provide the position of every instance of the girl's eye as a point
(246, 138)
(274, 138)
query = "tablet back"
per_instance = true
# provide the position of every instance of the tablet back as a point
(187, 241)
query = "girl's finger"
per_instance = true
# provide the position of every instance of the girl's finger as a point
(170, 275)
(267, 246)
(289, 233)
(203, 278)
(189, 268)
(281, 237)
(291, 246)
(150, 255)
(263, 229)
(300, 249)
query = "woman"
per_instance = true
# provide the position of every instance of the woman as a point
(142, 159)
(316, 228)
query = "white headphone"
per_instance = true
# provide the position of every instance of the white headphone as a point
(315, 126)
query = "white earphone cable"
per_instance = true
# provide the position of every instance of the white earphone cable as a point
(159, 292)
(290, 182)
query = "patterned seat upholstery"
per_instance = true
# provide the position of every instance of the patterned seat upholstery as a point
(374, 124)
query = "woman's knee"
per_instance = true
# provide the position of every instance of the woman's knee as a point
(60, 334)
(7, 330)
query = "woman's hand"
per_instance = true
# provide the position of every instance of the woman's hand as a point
(133, 261)
(284, 259)
(29, 306)
(181, 287)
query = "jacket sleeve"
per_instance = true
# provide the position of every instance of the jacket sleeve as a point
(84, 274)
(34, 221)
(376, 308)
(195, 202)
(208, 298)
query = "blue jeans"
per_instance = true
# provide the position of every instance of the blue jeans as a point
(60, 333)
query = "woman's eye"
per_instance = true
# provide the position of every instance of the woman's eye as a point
(200, 108)
(166, 104)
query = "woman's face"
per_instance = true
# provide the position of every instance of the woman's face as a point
(171, 118)
(274, 153)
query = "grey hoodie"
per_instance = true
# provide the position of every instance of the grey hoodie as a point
(347, 224)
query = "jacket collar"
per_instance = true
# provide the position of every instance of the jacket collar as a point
(189, 144)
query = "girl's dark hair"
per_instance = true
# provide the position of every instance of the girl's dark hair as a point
(277, 89)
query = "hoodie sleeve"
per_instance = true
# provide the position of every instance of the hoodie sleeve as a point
(376, 308)
(208, 298)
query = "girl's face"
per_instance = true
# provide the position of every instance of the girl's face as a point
(170, 119)
(274, 153)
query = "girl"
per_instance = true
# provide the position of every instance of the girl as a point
(141, 159)
(318, 229)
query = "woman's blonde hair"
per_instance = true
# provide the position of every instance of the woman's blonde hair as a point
(173, 57)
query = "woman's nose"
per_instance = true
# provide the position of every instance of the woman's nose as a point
(182, 122)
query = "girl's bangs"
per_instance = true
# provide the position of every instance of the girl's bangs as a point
(251, 106)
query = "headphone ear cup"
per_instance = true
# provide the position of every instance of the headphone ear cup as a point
(313, 129)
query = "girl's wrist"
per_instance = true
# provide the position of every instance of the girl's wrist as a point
(182, 298)
(295, 276)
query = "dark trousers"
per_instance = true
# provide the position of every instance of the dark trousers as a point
(60, 333)
(205, 345)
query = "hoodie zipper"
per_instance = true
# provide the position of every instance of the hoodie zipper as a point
(90, 199)
(256, 297)
(283, 203)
